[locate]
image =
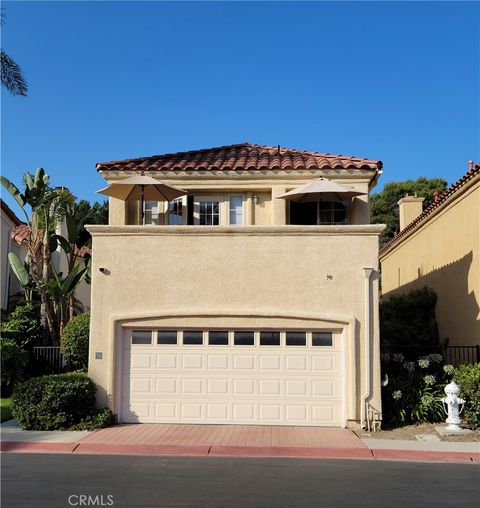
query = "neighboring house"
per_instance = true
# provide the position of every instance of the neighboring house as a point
(231, 311)
(9, 282)
(439, 248)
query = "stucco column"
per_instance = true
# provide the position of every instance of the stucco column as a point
(116, 212)
(279, 208)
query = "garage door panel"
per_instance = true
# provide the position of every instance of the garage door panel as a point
(270, 362)
(165, 385)
(165, 410)
(244, 412)
(326, 363)
(296, 387)
(296, 363)
(192, 361)
(244, 362)
(217, 412)
(218, 386)
(270, 387)
(141, 360)
(166, 361)
(218, 362)
(192, 386)
(191, 410)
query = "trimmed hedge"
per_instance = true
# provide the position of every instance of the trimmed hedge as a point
(58, 402)
(23, 326)
(74, 340)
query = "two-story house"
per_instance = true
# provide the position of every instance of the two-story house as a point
(232, 304)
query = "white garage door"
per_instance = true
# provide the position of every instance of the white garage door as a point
(224, 376)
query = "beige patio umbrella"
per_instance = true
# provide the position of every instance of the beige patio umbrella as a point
(140, 188)
(318, 189)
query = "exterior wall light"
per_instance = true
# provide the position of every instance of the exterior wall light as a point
(255, 199)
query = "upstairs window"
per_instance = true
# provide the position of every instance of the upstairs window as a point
(236, 209)
(332, 212)
(318, 213)
(151, 210)
(209, 214)
(175, 212)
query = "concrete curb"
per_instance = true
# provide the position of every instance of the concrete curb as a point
(239, 451)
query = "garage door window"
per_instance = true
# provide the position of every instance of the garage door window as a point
(218, 338)
(322, 339)
(296, 339)
(192, 338)
(167, 337)
(244, 338)
(142, 337)
(269, 338)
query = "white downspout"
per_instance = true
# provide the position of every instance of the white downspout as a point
(367, 272)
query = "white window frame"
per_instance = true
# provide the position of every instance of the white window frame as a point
(242, 197)
(222, 219)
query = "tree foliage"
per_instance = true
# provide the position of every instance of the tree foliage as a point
(49, 206)
(384, 207)
(11, 74)
(409, 319)
(85, 213)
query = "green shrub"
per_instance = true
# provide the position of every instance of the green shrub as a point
(14, 362)
(468, 378)
(55, 402)
(74, 340)
(409, 319)
(23, 326)
(101, 419)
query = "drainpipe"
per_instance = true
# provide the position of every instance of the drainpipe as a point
(367, 272)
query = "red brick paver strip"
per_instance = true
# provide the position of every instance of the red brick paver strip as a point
(225, 435)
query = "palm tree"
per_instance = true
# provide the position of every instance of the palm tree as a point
(12, 78)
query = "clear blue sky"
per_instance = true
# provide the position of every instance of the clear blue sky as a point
(110, 80)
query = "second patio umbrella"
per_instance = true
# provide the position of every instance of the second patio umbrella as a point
(320, 188)
(142, 188)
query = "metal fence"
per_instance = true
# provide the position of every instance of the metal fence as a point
(49, 359)
(458, 355)
(455, 355)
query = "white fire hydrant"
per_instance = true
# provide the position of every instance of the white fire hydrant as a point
(453, 402)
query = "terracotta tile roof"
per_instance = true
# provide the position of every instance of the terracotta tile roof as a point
(473, 172)
(244, 156)
(10, 213)
(21, 234)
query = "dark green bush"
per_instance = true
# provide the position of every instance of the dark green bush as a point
(23, 326)
(55, 402)
(409, 319)
(468, 378)
(14, 362)
(101, 419)
(74, 340)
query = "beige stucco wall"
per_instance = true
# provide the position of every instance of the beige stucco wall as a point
(241, 276)
(443, 254)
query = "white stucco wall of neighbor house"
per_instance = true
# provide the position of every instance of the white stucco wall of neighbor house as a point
(9, 283)
(248, 277)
